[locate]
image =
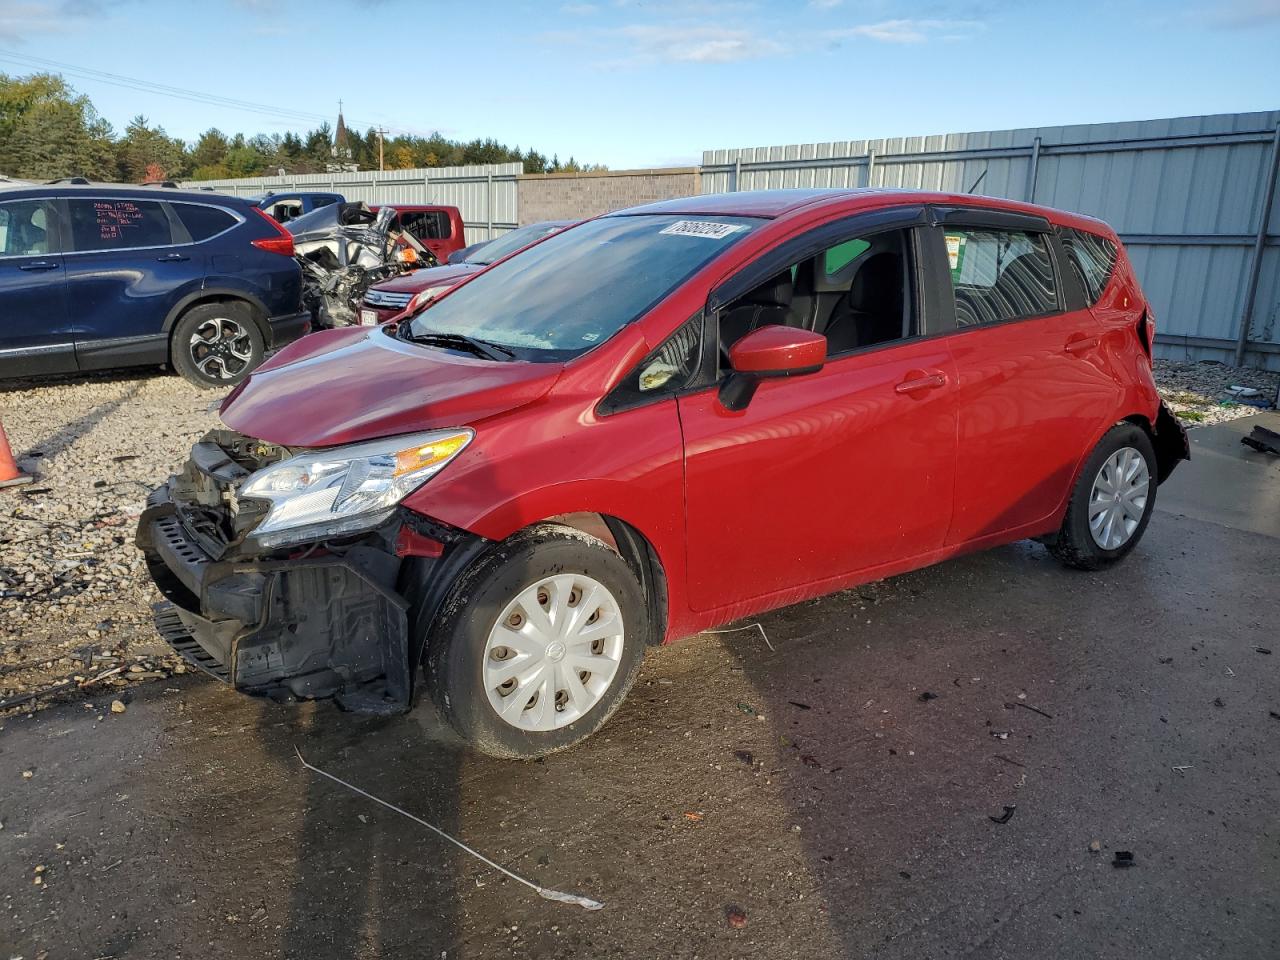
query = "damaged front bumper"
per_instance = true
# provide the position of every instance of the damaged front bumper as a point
(345, 619)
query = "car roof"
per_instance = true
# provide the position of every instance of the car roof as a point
(10, 190)
(773, 204)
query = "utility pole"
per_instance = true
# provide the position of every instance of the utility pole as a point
(380, 135)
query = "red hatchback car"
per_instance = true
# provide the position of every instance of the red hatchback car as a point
(650, 424)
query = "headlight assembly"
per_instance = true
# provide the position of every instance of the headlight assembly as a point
(345, 490)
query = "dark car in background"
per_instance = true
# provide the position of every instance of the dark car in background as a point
(284, 207)
(391, 297)
(94, 276)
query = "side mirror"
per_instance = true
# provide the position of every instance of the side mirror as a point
(770, 351)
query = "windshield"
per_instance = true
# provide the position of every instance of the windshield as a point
(580, 287)
(495, 250)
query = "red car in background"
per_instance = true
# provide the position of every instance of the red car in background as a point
(438, 228)
(387, 300)
(650, 424)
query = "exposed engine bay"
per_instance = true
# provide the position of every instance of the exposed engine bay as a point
(343, 249)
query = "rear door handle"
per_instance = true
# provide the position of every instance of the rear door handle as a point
(173, 258)
(1081, 344)
(931, 381)
(40, 265)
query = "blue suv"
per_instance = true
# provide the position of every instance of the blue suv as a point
(95, 276)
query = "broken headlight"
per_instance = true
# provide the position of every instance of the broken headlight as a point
(329, 493)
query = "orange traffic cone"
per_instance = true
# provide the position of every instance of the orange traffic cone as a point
(10, 475)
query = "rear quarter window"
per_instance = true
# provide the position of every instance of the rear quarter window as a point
(204, 222)
(1093, 258)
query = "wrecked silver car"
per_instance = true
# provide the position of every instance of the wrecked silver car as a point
(343, 249)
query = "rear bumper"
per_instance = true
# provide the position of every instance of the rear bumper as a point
(288, 328)
(326, 625)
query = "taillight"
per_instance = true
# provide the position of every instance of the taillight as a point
(282, 243)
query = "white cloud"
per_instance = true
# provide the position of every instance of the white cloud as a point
(1245, 13)
(915, 31)
(580, 9)
(20, 20)
(699, 44)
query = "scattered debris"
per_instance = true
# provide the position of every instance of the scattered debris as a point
(927, 696)
(746, 757)
(1006, 816)
(1000, 734)
(1027, 706)
(1095, 846)
(804, 706)
(547, 894)
(810, 761)
(1263, 650)
(1263, 440)
(1274, 714)
(259, 914)
(1015, 763)
(1218, 702)
(693, 816)
(1183, 768)
(117, 706)
(28, 774)
(1123, 858)
(746, 708)
(1165, 660)
(735, 916)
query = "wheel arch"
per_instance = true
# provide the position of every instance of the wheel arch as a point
(257, 309)
(640, 555)
(1168, 439)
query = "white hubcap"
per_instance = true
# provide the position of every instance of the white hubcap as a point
(1119, 498)
(553, 652)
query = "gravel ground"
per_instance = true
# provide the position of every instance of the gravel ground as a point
(74, 597)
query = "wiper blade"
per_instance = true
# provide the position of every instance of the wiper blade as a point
(481, 348)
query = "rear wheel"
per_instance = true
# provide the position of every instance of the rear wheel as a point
(539, 643)
(216, 344)
(1112, 501)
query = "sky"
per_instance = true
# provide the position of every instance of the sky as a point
(638, 83)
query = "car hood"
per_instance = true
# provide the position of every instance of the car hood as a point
(415, 281)
(353, 384)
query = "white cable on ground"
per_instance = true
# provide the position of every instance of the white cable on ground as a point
(584, 902)
(749, 626)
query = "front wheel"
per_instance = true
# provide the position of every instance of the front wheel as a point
(1112, 501)
(538, 644)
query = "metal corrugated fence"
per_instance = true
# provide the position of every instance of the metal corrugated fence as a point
(485, 194)
(1188, 196)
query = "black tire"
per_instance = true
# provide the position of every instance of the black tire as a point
(456, 651)
(1075, 544)
(235, 345)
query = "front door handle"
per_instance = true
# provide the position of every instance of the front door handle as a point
(1081, 344)
(929, 381)
(173, 258)
(40, 265)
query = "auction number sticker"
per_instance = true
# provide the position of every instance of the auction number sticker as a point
(702, 228)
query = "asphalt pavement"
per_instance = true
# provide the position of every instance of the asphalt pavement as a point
(916, 769)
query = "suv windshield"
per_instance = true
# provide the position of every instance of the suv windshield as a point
(578, 288)
(511, 242)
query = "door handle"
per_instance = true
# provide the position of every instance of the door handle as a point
(39, 265)
(930, 381)
(173, 258)
(1081, 344)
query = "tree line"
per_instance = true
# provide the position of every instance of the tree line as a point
(48, 130)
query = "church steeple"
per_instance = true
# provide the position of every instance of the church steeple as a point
(341, 143)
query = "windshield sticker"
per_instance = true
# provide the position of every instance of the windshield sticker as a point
(702, 228)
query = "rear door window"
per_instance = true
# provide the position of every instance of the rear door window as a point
(117, 223)
(204, 222)
(1093, 258)
(25, 230)
(1000, 275)
(426, 224)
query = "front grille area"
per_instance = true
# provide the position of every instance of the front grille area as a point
(386, 300)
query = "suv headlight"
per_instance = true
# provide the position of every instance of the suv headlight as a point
(347, 489)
